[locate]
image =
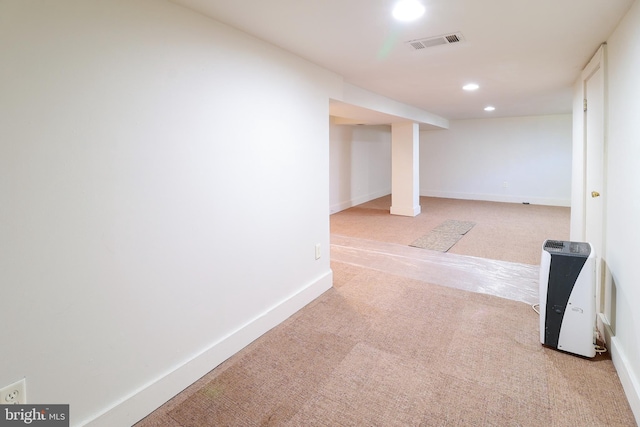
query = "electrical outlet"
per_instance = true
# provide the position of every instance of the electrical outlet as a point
(318, 252)
(14, 394)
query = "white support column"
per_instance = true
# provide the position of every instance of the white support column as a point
(405, 169)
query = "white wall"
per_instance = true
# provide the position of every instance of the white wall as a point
(360, 164)
(474, 158)
(623, 199)
(163, 184)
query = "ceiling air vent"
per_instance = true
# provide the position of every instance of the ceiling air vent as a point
(420, 44)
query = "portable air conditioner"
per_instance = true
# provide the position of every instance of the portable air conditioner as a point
(568, 297)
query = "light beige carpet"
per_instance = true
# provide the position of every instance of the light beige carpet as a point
(503, 231)
(384, 350)
(392, 349)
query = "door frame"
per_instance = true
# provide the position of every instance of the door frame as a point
(605, 295)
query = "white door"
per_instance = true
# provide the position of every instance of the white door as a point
(594, 116)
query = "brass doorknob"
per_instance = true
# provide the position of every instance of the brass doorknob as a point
(595, 194)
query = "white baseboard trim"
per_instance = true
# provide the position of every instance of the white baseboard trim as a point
(337, 207)
(406, 210)
(547, 201)
(142, 402)
(628, 376)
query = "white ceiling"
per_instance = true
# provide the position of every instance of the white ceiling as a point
(524, 54)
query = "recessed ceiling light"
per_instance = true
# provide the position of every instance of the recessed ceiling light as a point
(489, 108)
(408, 10)
(470, 86)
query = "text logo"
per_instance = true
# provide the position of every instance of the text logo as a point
(34, 415)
